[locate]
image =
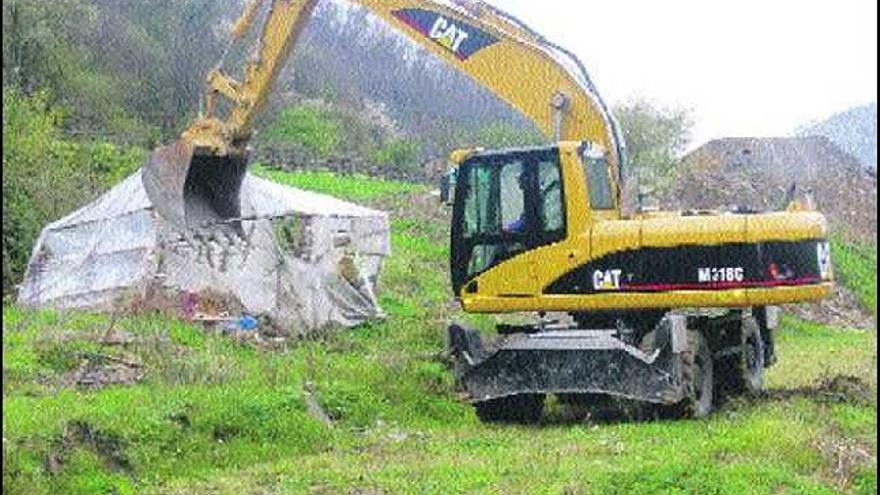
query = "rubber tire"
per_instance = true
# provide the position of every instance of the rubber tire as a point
(522, 409)
(697, 377)
(748, 366)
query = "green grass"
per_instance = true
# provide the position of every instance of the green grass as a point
(351, 187)
(857, 269)
(212, 416)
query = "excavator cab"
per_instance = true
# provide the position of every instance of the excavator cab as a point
(506, 202)
(509, 202)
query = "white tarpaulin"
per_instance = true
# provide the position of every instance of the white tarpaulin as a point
(303, 260)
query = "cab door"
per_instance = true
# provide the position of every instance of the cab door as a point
(507, 206)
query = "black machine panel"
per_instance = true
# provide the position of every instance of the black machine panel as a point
(720, 267)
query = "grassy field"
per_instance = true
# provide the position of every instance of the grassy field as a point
(857, 269)
(352, 188)
(213, 416)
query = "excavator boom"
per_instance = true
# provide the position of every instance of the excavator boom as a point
(196, 180)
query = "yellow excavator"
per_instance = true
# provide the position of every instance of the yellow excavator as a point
(673, 309)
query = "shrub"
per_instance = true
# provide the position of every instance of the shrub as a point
(45, 175)
(399, 154)
(314, 129)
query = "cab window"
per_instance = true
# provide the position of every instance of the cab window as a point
(513, 196)
(494, 212)
(550, 190)
(598, 178)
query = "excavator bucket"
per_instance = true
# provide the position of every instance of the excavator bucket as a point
(192, 190)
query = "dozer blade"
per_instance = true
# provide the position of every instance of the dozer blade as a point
(192, 190)
(572, 362)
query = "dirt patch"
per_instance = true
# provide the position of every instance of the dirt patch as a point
(842, 309)
(845, 457)
(97, 371)
(840, 389)
(314, 407)
(79, 434)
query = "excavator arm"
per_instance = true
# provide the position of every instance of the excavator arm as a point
(544, 82)
(281, 30)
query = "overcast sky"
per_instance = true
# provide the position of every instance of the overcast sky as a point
(745, 68)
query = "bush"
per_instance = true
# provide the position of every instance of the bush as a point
(314, 129)
(856, 267)
(399, 154)
(46, 176)
(501, 135)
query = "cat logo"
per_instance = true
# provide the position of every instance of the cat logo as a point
(448, 34)
(459, 38)
(607, 279)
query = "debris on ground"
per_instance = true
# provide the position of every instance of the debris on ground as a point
(841, 309)
(837, 389)
(846, 457)
(101, 370)
(79, 434)
(846, 388)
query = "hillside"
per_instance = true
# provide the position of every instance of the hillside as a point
(854, 130)
(147, 89)
(145, 404)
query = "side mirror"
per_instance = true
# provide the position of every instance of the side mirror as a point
(447, 187)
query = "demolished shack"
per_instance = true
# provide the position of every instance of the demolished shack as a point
(304, 261)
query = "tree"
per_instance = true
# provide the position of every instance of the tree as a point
(124, 69)
(45, 175)
(401, 155)
(504, 135)
(655, 137)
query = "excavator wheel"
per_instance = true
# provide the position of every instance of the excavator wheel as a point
(747, 367)
(523, 409)
(697, 377)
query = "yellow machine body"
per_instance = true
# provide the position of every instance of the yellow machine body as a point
(663, 260)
